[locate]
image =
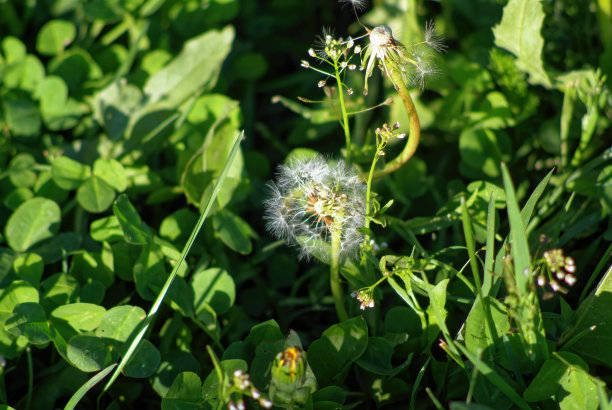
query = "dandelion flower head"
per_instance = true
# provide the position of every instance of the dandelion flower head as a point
(313, 199)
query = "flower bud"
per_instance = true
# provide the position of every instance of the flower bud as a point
(290, 383)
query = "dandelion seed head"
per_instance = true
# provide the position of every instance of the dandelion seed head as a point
(381, 35)
(312, 199)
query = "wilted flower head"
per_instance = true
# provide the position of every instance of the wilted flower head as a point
(413, 62)
(314, 199)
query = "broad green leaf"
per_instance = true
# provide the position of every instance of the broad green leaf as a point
(265, 331)
(25, 74)
(476, 339)
(402, 324)
(55, 36)
(59, 289)
(178, 225)
(16, 293)
(88, 266)
(30, 321)
(91, 353)
(437, 312)
(119, 322)
(150, 271)
(22, 116)
(81, 316)
(112, 172)
(519, 33)
(180, 297)
(106, 229)
(69, 174)
(134, 229)
(482, 150)
(339, 346)
(197, 66)
(92, 292)
(59, 246)
(46, 187)
(214, 287)
(22, 170)
(17, 197)
(330, 393)
(565, 379)
(174, 362)
(233, 231)
(59, 112)
(594, 316)
(377, 357)
(95, 195)
(145, 361)
(34, 221)
(29, 266)
(13, 49)
(184, 394)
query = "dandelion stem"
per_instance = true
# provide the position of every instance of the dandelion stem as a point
(334, 273)
(415, 126)
(345, 122)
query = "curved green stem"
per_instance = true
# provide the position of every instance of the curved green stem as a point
(345, 123)
(415, 126)
(334, 273)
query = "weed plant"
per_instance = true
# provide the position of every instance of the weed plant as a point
(208, 205)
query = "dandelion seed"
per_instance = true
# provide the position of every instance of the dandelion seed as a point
(433, 39)
(357, 5)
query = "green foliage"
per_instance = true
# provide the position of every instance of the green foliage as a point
(137, 142)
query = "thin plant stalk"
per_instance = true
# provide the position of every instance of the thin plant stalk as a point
(414, 124)
(345, 121)
(30, 378)
(334, 273)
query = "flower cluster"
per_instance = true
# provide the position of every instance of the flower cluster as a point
(336, 52)
(561, 266)
(365, 297)
(311, 201)
(240, 383)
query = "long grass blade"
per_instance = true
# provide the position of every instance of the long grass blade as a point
(162, 294)
(518, 237)
(82, 391)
